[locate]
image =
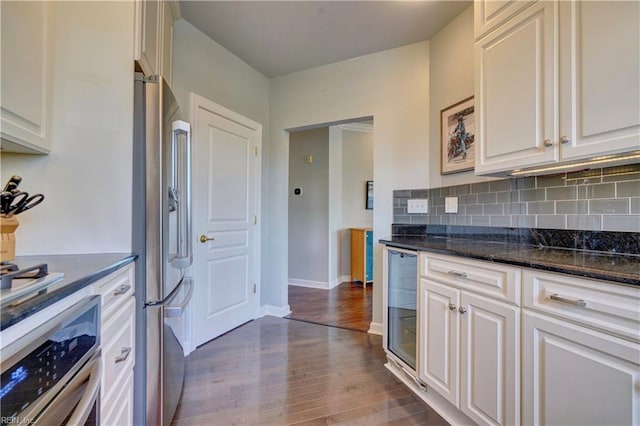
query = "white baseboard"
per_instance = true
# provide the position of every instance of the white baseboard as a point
(275, 311)
(345, 279)
(320, 284)
(323, 285)
(376, 328)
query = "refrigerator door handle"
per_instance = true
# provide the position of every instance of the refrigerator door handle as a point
(184, 256)
(171, 311)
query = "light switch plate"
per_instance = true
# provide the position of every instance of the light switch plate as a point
(418, 206)
(451, 205)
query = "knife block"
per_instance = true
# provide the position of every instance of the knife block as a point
(8, 227)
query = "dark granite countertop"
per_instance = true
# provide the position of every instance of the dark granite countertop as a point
(615, 267)
(79, 270)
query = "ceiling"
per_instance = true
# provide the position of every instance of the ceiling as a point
(281, 37)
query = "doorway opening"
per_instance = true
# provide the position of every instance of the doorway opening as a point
(330, 196)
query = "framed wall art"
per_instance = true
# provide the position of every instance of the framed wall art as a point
(368, 201)
(457, 137)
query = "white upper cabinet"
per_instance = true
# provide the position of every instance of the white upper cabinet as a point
(488, 14)
(26, 76)
(555, 83)
(153, 37)
(166, 47)
(600, 78)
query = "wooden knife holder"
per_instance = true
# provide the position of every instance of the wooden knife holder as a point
(8, 227)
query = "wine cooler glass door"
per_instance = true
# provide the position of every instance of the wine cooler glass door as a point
(402, 302)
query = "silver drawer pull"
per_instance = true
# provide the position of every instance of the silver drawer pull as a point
(452, 307)
(568, 300)
(121, 290)
(124, 354)
(457, 274)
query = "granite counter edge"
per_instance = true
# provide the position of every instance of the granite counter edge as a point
(563, 269)
(12, 316)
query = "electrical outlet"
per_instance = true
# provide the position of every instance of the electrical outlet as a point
(418, 206)
(451, 204)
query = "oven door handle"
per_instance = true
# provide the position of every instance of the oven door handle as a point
(90, 396)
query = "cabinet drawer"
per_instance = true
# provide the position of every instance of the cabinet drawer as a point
(597, 304)
(118, 349)
(487, 278)
(120, 410)
(115, 289)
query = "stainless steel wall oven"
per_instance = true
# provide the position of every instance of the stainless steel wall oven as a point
(52, 374)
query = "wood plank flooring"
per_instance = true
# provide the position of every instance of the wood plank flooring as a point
(347, 305)
(274, 371)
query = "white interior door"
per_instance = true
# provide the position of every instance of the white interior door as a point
(226, 201)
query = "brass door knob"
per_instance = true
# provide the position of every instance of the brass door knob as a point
(204, 238)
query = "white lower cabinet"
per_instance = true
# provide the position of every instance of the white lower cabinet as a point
(439, 364)
(502, 345)
(580, 351)
(489, 360)
(470, 347)
(121, 412)
(118, 346)
(574, 375)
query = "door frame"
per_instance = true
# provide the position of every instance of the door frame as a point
(197, 102)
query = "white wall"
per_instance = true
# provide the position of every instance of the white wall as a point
(202, 66)
(452, 80)
(393, 87)
(309, 212)
(357, 169)
(87, 177)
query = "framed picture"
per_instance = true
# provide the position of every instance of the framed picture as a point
(368, 201)
(457, 137)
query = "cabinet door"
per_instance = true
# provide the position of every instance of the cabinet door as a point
(600, 77)
(490, 360)
(26, 75)
(369, 256)
(577, 376)
(488, 14)
(148, 41)
(439, 350)
(516, 92)
(166, 48)
(358, 260)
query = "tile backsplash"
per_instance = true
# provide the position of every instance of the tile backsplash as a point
(597, 199)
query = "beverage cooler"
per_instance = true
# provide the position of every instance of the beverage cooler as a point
(401, 297)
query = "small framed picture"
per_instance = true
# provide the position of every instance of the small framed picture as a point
(457, 137)
(369, 196)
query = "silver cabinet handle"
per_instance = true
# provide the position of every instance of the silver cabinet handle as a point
(548, 143)
(568, 300)
(564, 140)
(452, 307)
(124, 354)
(462, 310)
(121, 290)
(458, 274)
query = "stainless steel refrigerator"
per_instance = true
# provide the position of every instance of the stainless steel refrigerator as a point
(162, 239)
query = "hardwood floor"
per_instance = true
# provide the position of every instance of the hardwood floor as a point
(347, 305)
(274, 371)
